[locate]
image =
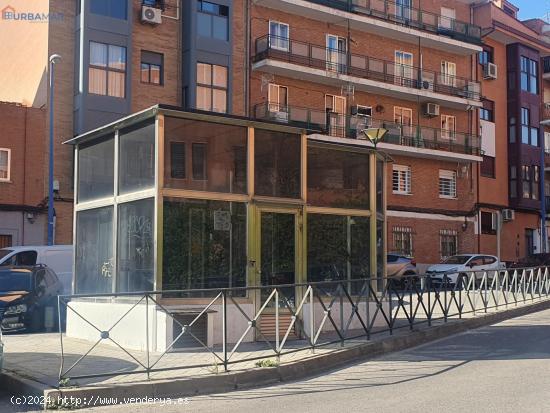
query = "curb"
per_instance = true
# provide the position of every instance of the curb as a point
(20, 385)
(225, 382)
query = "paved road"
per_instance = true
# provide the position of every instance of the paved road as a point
(501, 368)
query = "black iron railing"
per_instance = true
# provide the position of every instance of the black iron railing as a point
(410, 17)
(302, 317)
(350, 126)
(546, 64)
(366, 67)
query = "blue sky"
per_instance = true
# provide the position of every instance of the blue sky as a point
(529, 9)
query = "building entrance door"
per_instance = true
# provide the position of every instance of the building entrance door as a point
(278, 246)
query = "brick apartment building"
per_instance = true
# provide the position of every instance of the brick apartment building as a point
(22, 147)
(334, 67)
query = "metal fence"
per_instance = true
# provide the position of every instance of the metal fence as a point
(302, 317)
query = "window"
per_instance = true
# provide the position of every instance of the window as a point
(212, 87)
(526, 180)
(448, 73)
(277, 98)
(529, 135)
(447, 184)
(401, 179)
(335, 107)
(536, 182)
(6, 240)
(198, 161)
(403, 240)
(448, 127)
(212, 20)
(5, 164)
(107, 71)
(136, 163)
(512, 129)
(513, 182)
(152, 68)
(486, 114)
(488, 166)
(403, 117)
(530, 181)
(447, 18)
(488, 223)
(278, 35)
(448, 243)
(404, 70)
(529, 75)
(110, 8)
(177, 160)
(486, 56)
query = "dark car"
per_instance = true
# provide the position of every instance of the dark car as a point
(535, 260)
(25, 293)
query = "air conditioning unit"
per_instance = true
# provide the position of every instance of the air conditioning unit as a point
(508, 215)
(361, 110)
(490, 71)
(151, 15)
(431, 109)
(279, 116)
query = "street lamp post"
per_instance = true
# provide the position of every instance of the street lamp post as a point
(53, 60)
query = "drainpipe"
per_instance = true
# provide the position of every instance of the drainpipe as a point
(247, 61)
(543, 246)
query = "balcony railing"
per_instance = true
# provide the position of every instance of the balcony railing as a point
(366, 67)
(546, 64)
(410, 17)
(546, 111)
(350, 126)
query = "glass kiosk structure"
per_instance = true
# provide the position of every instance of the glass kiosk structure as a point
(170, 200)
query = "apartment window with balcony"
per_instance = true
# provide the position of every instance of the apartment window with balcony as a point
(447, 184)
(488, 166)
(337, 57)
(529, 135)
(5, 164)
(447, 18)
(448, 73)
(152, 68)
(277, 97)
(448, 243)
(404, 70)
(448, 127)
(513, 181)
(278, 35)
(403, 117)
(107, 70)
(116, 9)
(529, 75)
(335, 107)
(212, 87)
(212, 20)
(403, 240)
(401, 179)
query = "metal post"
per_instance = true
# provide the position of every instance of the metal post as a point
(311, 320)
(147, 334)
(53, 60)
(224, 328)
(62, 354)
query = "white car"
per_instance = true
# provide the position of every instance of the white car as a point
(453, 266)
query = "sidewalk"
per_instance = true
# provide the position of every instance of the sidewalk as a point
(35, 360)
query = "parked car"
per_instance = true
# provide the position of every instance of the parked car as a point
(401, 268)
(28, 298)
(462, 264)
(59, 258)
(535, 260)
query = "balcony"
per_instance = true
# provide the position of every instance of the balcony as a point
(389, 19)
(413, 140)
(546, 114)
(319, 64)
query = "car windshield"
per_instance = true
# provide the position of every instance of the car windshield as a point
(457, 259)
(4, 252)
(15, 280)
